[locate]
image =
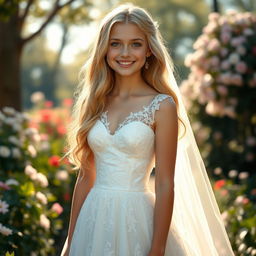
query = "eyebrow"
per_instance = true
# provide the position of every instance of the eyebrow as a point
(135, 39)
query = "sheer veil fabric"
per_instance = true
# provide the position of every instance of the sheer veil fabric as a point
(196, 214)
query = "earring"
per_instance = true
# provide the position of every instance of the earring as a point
(146, 65)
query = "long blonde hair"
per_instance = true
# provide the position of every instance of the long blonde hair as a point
(97, 78)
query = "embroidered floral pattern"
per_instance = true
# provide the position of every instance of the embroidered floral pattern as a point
(146, 115)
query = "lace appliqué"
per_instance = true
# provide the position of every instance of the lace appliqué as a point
(146, 115)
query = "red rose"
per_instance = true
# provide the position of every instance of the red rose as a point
(54, 161)
(66, 196)
(48, 104)
(68, 102)
(219, 184)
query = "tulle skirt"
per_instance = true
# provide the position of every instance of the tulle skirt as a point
(119, 223)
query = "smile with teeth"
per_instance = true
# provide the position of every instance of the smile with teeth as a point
(125, 63)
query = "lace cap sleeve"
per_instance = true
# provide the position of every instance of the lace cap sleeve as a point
(156, 104)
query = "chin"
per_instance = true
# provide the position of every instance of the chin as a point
(126, 72)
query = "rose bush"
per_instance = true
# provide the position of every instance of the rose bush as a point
(238, 206)
(220, 91)
(223, 66)
(34, 183)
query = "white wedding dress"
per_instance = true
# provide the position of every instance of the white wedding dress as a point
(116, 219)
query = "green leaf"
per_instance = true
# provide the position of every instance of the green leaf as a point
(28, 189)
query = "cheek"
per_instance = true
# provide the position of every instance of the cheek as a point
(141, 53)
(109, 57)
(111, 53)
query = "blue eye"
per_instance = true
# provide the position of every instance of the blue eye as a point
(137, 44)
(114, 44)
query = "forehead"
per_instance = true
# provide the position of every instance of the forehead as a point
(126, 31)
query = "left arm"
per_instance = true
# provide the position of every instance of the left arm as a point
(166, 121)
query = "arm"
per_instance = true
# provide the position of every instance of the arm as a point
(165, 152)
(84, 183)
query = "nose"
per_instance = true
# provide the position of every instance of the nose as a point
(125, 51)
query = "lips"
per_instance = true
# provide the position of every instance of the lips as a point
(125, 64)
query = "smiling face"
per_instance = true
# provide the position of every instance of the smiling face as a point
(127, 49)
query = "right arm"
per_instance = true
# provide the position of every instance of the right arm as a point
(84, 183)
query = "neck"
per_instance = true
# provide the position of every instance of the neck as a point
(128, 85)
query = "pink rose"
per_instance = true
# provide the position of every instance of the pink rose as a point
(223, 52)
(222, 90)
(4, 186)
(225, 78)
(236, 80)
(56, 207)
(241, 67)
(225, 65)
(215, 61)
(241, 50)
(214, 45)
(210, 28)
(225, 37)
(237, 41)
(214, 16)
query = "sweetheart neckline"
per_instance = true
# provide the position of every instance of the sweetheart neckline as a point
(122, 123)
(134, 121)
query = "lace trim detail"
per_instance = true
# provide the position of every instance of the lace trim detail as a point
(146, 115)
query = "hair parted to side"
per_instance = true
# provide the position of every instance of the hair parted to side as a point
(97, 79)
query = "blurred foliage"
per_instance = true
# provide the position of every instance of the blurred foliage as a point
(36, 73)
(34, 185)
(238, 206)
(15, 17)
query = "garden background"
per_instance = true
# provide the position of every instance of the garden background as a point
(43, 45)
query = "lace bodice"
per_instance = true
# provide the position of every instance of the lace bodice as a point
(146, 115)
(124, 158)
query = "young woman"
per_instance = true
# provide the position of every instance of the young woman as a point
(127, 119)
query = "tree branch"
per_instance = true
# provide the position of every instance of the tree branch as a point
(243, 5)
(54, 11)
(25, 13)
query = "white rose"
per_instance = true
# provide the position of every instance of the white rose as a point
(16, 153)
(9, 111)
(32, 150)
(14, 140)
(37, 97)
(29, 170)
(17, 127)
(248, 32)
(4, 151)
(42, 179)
(44, 221)
(41, 197)
(5, 231)
(232, 173)
(62, 175)
(233, 58)
(12, 182)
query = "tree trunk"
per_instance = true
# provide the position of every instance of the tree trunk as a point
(10, 55)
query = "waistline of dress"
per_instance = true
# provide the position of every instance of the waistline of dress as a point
(140, 190)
